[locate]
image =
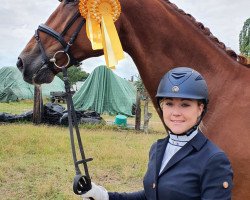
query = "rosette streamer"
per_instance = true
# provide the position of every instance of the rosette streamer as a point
(100, 16)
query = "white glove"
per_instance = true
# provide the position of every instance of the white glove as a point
(97, 193)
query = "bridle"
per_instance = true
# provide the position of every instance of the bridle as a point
(82, 183)
(52, 62)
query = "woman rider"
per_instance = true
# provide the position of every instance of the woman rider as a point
(185, 165)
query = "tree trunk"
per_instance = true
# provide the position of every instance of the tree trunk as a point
(147, 116)
(38, 105)
(138, 111)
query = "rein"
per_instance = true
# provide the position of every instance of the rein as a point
(82, 183)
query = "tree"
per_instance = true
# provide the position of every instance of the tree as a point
(244, 39)
(141, 90)
(75, 74)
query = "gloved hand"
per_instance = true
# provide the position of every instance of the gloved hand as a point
(97, 193)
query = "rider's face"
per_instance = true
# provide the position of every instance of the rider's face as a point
(180, 114)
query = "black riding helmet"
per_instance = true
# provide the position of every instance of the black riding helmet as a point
(184, 82)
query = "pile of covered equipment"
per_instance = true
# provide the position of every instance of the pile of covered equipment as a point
(54, 114)
(14, 88)
(105, 92)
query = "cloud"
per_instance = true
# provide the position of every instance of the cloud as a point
(125, 68)
(19, 19)
(224, 18)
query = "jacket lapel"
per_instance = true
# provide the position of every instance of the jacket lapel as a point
(182, 153)
(160, 150)
(195, 144)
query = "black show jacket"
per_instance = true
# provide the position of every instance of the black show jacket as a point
(198, 171)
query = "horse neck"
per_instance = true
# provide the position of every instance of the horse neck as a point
(159, 37)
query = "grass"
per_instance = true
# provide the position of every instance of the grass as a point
(36, 161)
(17, 107)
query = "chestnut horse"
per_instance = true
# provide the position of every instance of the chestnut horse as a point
(159, 36)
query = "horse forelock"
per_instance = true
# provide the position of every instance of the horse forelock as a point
(206, 31)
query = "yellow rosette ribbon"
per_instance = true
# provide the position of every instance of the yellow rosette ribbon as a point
(100, 16)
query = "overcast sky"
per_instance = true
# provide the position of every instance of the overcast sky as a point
(19, 19)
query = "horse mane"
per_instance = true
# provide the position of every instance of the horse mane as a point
(239, 58)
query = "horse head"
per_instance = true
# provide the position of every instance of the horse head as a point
(61, 41)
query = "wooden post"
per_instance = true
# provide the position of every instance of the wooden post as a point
(147, 115)
(138, 111)
(38, 105)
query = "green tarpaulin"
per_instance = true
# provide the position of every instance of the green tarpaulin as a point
(105, 92)
(13, 87)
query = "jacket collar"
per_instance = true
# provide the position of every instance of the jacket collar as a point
(195, 143)
(198, 141)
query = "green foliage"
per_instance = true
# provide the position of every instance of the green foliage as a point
(141, 88)
(245, 39)
(75, 74)
(139, 85)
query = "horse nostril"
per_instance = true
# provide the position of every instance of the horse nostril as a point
(19, 64)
